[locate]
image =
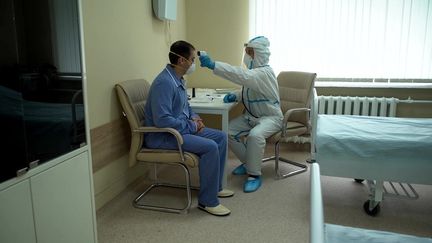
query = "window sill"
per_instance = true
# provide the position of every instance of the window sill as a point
(373, 85)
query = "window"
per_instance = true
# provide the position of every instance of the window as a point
(65, 36)
(378, 41)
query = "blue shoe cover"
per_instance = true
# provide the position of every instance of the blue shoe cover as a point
(252, 185)
(240, 170)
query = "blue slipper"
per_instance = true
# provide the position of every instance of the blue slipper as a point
(252, 185)
(240, 170)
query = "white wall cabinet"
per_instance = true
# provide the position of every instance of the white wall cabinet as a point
(54, 205)
(16, 214)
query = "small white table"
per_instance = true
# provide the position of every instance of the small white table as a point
(214, 107)
(213, 104)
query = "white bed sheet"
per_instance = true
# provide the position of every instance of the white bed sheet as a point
(387, 148)
(344, 234)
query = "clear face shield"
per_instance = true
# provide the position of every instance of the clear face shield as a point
(247, 60)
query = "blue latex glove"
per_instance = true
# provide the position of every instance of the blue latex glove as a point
(206, 61)
(229, 98)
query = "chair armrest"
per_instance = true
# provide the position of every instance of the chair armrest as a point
(288, 114)
(291, 111)
(74, 102)
(174, 132)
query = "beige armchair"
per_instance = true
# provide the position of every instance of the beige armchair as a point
(133, 96)
(295, 90)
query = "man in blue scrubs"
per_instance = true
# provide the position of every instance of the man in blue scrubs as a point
(168, 106)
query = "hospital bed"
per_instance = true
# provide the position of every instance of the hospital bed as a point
(321, 232)
(377, 149)
(51, 129)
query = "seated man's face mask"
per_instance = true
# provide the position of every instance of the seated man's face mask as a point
(191, 68)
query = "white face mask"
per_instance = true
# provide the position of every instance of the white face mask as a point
(248, 61)
(191, 69)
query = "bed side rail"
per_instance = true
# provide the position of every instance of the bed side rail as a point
(316, 206)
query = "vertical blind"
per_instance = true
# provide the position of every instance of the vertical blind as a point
(361, 39)
(65, 35)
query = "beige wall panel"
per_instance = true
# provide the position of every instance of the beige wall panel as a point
(123, 40)
(109, 142)
(220, 28)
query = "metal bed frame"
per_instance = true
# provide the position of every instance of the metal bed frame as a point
(377, 188)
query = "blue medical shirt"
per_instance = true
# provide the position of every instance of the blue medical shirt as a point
(168, 106)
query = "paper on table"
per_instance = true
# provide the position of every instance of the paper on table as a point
(205, 99)
(224, 91)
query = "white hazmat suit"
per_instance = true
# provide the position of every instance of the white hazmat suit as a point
(260, 96)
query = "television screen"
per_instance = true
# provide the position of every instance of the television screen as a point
(42, 111)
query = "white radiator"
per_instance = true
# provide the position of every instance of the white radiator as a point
(363, 106)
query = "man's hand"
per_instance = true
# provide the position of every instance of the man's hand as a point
(199, 123)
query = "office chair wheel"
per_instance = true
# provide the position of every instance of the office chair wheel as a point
(359, 180)
(372, 212)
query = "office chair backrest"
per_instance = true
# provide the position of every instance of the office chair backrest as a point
(133, 95)
(295, 90)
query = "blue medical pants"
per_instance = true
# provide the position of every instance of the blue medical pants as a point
(211, 147)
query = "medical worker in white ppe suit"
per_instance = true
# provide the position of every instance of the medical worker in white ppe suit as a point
(262, 116)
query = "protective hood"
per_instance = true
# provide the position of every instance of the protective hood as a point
(261, 46)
